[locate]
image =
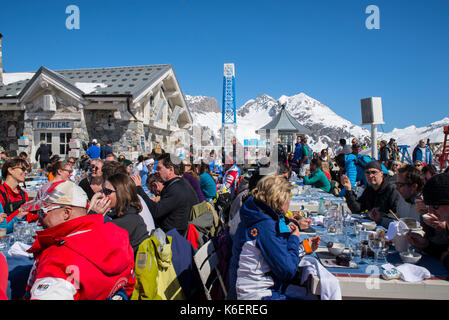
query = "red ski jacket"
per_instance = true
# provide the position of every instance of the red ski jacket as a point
(81, 259)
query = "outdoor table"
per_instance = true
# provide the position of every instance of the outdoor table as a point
(364, 282)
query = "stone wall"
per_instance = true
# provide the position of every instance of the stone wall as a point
(10, 143)
(125, 135)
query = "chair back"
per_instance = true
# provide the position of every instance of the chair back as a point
(206, 260)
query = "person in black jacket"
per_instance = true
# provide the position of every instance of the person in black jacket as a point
(43, 154)
(177, 198)
(384, 152)
(436, 198)
(124, 207)
(380, 196)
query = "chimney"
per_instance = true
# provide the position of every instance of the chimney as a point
(1, 61)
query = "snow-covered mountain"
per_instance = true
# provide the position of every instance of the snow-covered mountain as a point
(327, 127)
(411, 135)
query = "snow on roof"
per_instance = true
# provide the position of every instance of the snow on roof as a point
(88, 87)
(16, 76)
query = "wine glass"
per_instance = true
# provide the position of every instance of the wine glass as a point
(19, 227)
(376, 245)
(358, 250)
(329, 224)
(351, 228)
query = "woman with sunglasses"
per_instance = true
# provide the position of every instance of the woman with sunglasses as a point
(61, 171)
(93, 183)
(121, 203)
(12, 196)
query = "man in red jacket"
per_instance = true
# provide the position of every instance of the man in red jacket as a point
(77, 256)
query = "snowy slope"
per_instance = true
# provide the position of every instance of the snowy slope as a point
(411, 135)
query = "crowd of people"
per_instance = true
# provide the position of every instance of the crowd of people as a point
(104, 215)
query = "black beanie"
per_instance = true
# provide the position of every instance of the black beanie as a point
(373, 165)
(436, 190)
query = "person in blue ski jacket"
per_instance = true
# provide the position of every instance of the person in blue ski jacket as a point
(422, 153)
(297, 156)
(347, 163)
(266, 248)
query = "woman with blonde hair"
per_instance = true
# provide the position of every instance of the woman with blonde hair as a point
(396, 165)
(266, 247)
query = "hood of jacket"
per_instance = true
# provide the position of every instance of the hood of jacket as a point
(254, 211)
(103, 244)
(163, 251)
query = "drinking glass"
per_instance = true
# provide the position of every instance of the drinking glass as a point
(28, 232)
(4, 245)
(358, 249)
(358, 230)
(19, 227)
(384, 252)
(351, 228)
(376, 245)
(329, 224)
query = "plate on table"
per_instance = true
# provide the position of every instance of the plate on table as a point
(328, 260)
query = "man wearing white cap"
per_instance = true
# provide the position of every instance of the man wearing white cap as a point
(77, 256)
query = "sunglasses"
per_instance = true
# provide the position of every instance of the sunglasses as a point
(23, 168)
(107, 191)
(373, 172)
(42, 212)
(418, 165)
(72, 162)
(94, 168)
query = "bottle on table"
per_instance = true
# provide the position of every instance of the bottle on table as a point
(321, 209)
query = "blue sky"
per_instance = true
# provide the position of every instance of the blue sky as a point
(320, 47)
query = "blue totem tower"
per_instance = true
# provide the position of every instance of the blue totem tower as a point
(229, 115)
